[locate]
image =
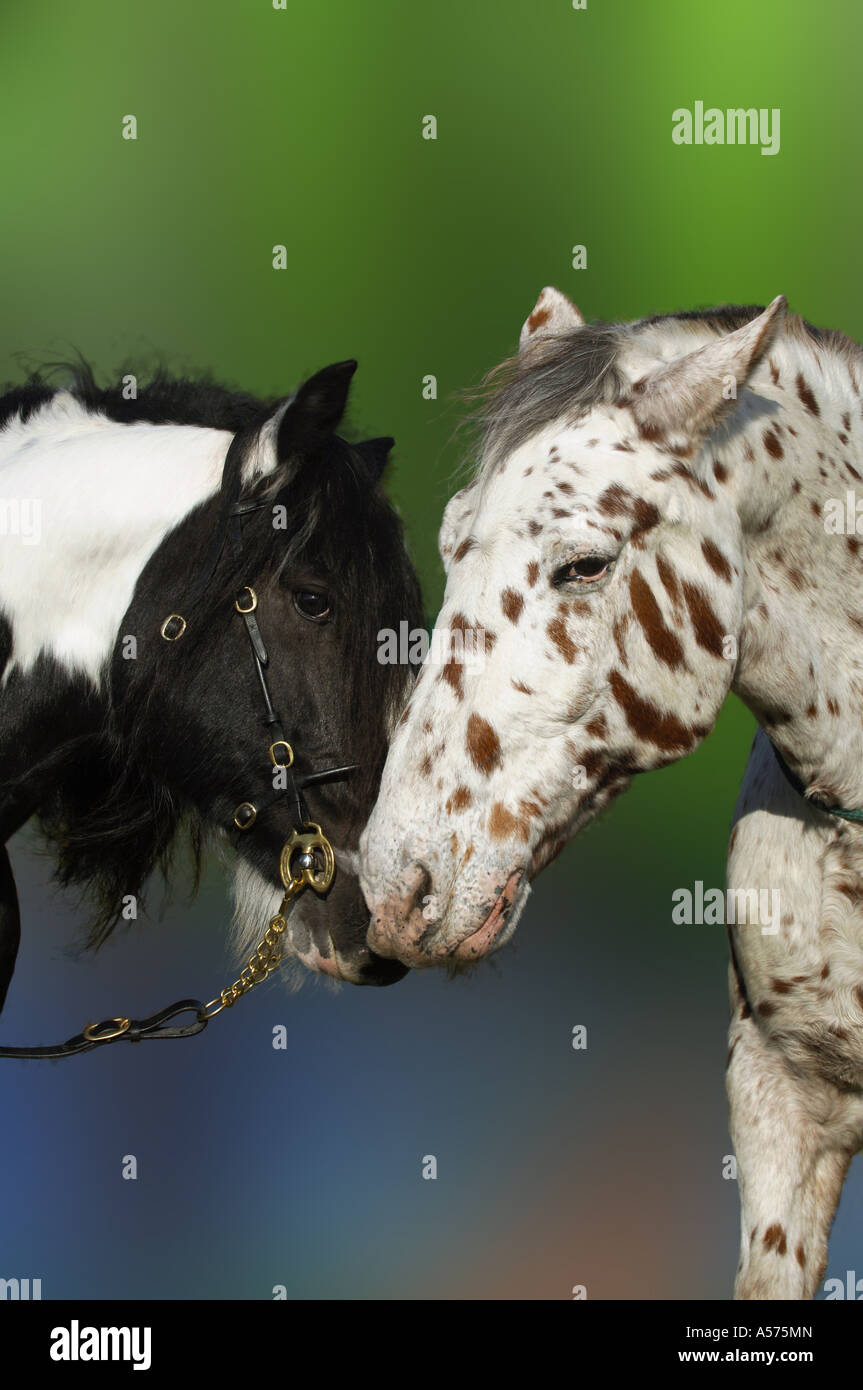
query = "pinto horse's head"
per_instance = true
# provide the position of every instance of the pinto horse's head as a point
(590, 622)
(325, 559)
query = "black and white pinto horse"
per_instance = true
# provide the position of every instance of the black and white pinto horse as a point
(125, 740)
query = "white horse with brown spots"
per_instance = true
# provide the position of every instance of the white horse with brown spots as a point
(647, 530)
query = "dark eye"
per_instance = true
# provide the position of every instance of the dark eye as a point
(585, 570)
(313, 604)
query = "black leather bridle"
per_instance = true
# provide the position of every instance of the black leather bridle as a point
(281, 753)
(307, 849)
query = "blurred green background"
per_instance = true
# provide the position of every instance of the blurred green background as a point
(302, 127)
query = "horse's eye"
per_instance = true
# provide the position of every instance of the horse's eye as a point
(313, 604)
(585, 570)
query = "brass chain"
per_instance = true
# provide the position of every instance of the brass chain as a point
(266, 957)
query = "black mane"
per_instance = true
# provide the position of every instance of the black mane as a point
(162, 400)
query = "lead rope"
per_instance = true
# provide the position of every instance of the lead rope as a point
(316, 860)
(266, 957)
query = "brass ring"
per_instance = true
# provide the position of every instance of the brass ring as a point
(123, 1026)
(173, 617)
(281, 743)
(249, 822)
(246, 589)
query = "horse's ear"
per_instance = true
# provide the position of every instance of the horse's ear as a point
(314, 410)
(688, 396)
(375, 453)
(552, 313)
(300, 422)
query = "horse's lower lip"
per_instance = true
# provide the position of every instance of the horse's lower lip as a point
(365, 968)
(377, 970)
(478, 943)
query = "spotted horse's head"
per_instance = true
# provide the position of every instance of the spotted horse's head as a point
(589, 627)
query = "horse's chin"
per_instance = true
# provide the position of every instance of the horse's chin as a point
(310, 945)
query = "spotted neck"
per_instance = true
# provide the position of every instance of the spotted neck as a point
(798, 444)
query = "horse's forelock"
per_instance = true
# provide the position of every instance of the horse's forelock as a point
(552, 379)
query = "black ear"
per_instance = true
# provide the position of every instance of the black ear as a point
(375, 453)
(315, 409)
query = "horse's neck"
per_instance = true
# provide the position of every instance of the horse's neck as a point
(101, 498)
(801, 656)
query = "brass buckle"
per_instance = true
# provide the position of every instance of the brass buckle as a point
(313, 875)
(250, 820)
(253, 597)
(171, 618)
(289, 756)
(93, 1031)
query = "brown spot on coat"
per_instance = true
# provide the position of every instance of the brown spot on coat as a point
(646, 516)
(556, 630)
(669, 579)
(537, 319)
(716, 560)
(615, 501)
(460, 799)
(708, 630)
(483, 745)
(664, 643)
(774, 1239)
(618, 629)
(532, 572)
(502, 824)
(511, 603)
(650, 431)
(772, 444)
(804, 391)
(665, 731)
(466, 546)
(453, 673)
